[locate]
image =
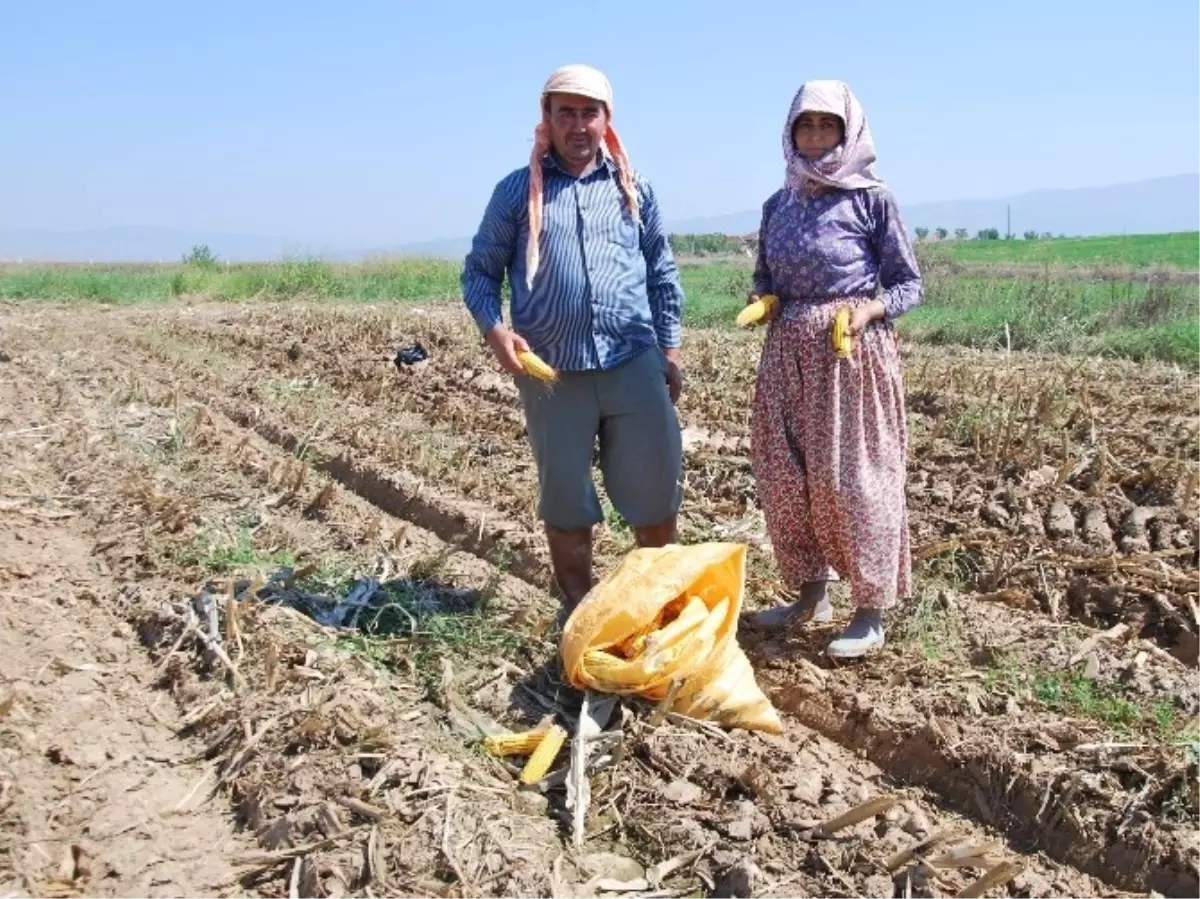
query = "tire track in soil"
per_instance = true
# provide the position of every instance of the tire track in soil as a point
(849, 779)
(1125, 864)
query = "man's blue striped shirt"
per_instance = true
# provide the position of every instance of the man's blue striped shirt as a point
(605, 289)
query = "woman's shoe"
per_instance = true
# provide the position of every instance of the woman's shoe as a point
(813, 605)
(864, 634)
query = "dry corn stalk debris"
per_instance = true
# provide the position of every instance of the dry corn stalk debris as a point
(292, 670)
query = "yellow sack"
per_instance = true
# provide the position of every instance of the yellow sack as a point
(673, 612)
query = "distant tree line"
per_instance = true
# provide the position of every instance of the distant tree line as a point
(705, 244)
(982, 234)
(728, 244)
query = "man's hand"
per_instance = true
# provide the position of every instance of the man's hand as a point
(505, 345)
(861, 316)
(674, 375)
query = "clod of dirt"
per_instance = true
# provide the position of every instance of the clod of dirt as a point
(808, 788)
(610, 866)
(879, 886)
(1060, 521)
(1160, 534)
(681, 792)
(1134, 531)
(738, 881)
(526, 802)
(942, 493)
(970, 499)
(996, 514)
(1031, 525)
(1095, 528)
(1135, 522)
(749, 823)
(917, 824)
(759, 782)
(742, 829)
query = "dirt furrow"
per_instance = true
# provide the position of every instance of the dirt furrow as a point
(755, 793)
(988, 527)
(753, 796)
(1034, 771)
(1031, 776)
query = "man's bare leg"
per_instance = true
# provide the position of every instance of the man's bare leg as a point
(656, 535)
(571, 558)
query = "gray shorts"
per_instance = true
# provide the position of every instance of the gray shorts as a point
(641, 452)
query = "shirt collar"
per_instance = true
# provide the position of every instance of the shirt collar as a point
(551, 161)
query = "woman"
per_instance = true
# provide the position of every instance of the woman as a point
(828, 438)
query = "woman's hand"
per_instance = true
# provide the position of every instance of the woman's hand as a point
(772, 312)
(862, 316)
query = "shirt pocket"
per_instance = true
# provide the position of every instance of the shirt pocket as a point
(623, 232)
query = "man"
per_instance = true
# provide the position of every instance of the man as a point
(598, 298)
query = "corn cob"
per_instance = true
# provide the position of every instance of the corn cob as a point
(522, 743)
(757, 311)
(696, 642)
(840, 332)
(631, 647)
(543, 757)
(690, 618)
(611, 673)
(536, 367)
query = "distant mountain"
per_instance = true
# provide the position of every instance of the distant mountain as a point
(136, 244)
(142, 244)
(1144, 207)
(447, 248)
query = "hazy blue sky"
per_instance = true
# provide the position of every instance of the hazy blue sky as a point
(369, 123)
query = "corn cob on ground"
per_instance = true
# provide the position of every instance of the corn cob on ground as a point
(543, 757)
(521, 743)
(536, 367)
(757, 311)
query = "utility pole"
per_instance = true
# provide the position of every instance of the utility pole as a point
(1008, 227)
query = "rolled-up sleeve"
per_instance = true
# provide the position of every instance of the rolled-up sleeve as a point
(490, 256)
(663, 287)
(899, 273)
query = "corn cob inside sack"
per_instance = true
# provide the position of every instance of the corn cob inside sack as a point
(670, 614)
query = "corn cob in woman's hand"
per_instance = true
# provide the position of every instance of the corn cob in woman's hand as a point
(762, 307)
(840, 333)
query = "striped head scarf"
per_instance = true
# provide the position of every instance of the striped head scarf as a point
(586, 82)
(847, 166)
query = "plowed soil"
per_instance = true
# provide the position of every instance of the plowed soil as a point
(186, 708)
